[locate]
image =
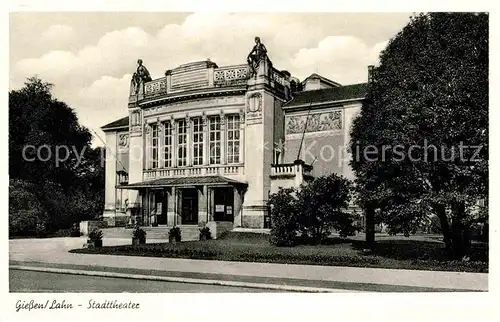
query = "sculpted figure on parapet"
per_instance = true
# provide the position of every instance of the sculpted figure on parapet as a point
(258, 54)
(140, 76)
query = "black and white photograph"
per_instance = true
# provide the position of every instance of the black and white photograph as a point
(246, 152)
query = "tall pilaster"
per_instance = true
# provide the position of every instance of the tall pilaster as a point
(223, 144)
(189, 131)
(241, 156)
(258, 146)
(174, 142)
(136, 156)
(161, 145)
(206, 150)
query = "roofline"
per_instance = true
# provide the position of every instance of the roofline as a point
(323, 103)
(323, 79)
(109, 129)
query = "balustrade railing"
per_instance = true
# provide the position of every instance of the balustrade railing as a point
(283, 169)
(156, 87)
(231, 75)
(194, 171)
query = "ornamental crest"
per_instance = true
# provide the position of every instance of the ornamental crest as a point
(123, 140)
(254, 105)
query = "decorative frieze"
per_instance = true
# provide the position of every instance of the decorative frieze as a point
(195, 104)
(315, 122)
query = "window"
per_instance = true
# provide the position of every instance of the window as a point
(181, 143)
(214, 139)
(197, 141)
(233, 139)
(168, 145)
(154, 146)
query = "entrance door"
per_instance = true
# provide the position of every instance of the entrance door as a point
(189, 206)
(161, 198)
(223, 204)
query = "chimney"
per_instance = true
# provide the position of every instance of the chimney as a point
(370, 73)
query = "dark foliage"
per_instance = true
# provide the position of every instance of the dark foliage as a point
(175, 234)
(56, 178)
(283, 207)
(430, 92)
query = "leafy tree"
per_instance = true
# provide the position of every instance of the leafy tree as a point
(38, 123)
(50, 153)
(322, 205)
(428, 99)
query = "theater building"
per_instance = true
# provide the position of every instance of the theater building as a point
(207, 144)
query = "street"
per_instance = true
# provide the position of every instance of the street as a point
(31, 281)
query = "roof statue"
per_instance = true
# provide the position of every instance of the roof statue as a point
(140, 77)
(258, 53)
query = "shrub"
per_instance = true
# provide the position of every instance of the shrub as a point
(139, 233)
(175, 234)
(283, 209)
(27, 215)
(95, 235)
(75, 231)
(322, 207)
(205, 233)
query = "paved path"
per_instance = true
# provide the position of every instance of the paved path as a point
(55, 250)
(29, 281)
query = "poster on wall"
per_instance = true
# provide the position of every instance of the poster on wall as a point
(229, 210)
(219, 208)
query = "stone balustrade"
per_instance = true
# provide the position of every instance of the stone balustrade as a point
(225, 170)
(279, 78)
(283, 169)
(296, 172)
(156, 87)
(231, 75)
(184, 79)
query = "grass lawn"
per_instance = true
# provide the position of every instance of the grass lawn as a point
(391, 252)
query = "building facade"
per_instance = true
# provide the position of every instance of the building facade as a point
(208, 144)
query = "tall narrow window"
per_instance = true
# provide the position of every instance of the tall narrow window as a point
(168, 145)
(214, 139)
(197, 141)
(154, 146)
(233, 139)
(181, 143)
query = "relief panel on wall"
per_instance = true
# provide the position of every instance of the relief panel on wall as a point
(315, 122)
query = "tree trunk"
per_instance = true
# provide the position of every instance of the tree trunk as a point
(370, 227)
(440, 211)
(460, 232)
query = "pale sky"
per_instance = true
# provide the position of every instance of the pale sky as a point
(90, 57)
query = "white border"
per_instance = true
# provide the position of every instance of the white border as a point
(243, 307)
